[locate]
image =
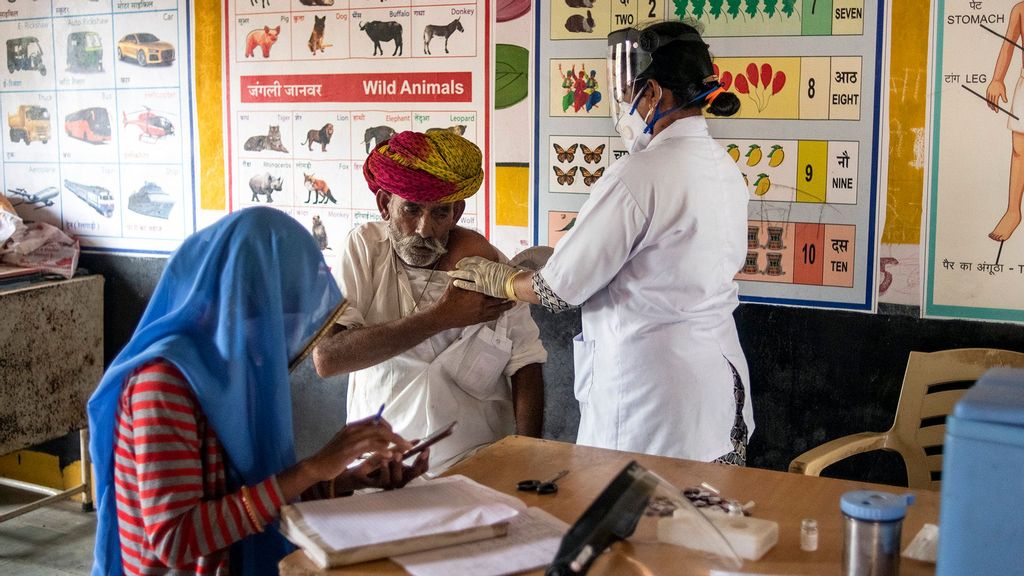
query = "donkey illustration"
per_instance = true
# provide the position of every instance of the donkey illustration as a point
(383, 32)
(434, 30)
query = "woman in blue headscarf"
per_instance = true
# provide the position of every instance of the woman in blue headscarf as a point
(191, 425)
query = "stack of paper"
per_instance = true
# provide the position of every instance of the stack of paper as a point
(429, 515)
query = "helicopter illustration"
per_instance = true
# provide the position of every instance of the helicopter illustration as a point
(153, 125)
(44, 197)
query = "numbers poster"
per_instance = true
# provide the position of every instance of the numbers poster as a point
(314, 85)
(809, 77)
(96, 99)
(975, 244)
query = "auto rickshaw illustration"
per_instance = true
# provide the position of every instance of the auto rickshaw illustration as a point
(85, 51)
(25, 53)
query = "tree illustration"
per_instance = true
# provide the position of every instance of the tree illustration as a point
(680, 9)
(734, 8)
(787, 7)
(751, 8)
(716, 8)
(698, 8)
(769, 7)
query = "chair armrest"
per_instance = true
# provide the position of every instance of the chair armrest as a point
(813, 461)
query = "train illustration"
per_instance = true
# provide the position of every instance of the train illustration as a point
(98, 197)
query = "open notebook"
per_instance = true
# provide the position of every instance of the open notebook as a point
(431, 514)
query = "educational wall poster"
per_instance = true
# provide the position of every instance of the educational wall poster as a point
(809, 77)
(99, 127)
(975, 246)
(314, 85)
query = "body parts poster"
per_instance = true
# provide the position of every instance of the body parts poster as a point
(314, 85)
(96, 99)
(808, 74)
(975, 244)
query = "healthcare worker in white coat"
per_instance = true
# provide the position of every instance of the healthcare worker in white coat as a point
(651, 261)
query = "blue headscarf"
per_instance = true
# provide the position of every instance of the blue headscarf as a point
(234, 305)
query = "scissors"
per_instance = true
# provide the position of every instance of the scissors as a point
(547, 487)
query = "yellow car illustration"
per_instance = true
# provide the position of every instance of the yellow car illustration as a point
(145, 49)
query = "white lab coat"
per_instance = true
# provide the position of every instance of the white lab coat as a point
(652, 259)
(459, 374)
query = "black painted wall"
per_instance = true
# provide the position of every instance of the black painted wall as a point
(815, 375)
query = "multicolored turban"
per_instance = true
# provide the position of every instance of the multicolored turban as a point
(435, 167)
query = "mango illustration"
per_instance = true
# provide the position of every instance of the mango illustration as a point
(776, 156)
(753, 155)
(734, 152)
(762, 184)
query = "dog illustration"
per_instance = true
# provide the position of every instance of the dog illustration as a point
(270, 141)
(264, 38)
(321, 137)
(316, 39)
(459, 129)
(434, 30)
(317, 2)
(318, 186)
(375, 135)
(577, 23)
(383, 32)
(319, 233)
(265, 184)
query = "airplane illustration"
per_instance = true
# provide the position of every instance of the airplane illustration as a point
(44, 197)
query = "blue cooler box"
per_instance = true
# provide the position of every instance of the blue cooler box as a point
(981, 526)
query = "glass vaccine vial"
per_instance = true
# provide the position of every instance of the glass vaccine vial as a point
(809, 535)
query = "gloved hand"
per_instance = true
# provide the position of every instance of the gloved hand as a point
(482, 275)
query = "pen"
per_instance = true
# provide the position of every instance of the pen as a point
(376, 419)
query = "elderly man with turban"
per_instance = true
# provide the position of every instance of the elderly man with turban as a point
(429, 351)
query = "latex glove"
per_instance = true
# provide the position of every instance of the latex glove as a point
(485, 276)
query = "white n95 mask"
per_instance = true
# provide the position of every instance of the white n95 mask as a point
(633, 129)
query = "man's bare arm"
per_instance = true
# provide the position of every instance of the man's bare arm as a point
(348, 350)
(528, 400)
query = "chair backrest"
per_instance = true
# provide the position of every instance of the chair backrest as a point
(932, 385)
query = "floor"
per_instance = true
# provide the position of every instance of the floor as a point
(55, 540)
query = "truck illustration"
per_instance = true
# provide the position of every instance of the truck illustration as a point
(25, 53)
(29, 123)
(96, 196)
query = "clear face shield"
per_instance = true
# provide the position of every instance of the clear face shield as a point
(644, 508)
(625, 61)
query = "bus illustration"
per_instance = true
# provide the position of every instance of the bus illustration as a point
(90, 125)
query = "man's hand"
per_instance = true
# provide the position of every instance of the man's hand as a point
(996, 92)
(484, 276)
(458, 308)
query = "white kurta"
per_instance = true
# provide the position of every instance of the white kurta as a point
(459, 374)
(652, 260)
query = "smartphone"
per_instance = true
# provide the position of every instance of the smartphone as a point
(431, 439)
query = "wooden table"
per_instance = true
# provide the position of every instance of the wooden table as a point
(780, 496)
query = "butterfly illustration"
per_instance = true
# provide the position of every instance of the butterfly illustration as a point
(565, 155)
(591, 177)
(592, 155)
(567, 177)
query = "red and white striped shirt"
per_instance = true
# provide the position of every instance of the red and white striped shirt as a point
(174, 516)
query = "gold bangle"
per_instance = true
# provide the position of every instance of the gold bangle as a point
(253, 517)
(510, 287)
